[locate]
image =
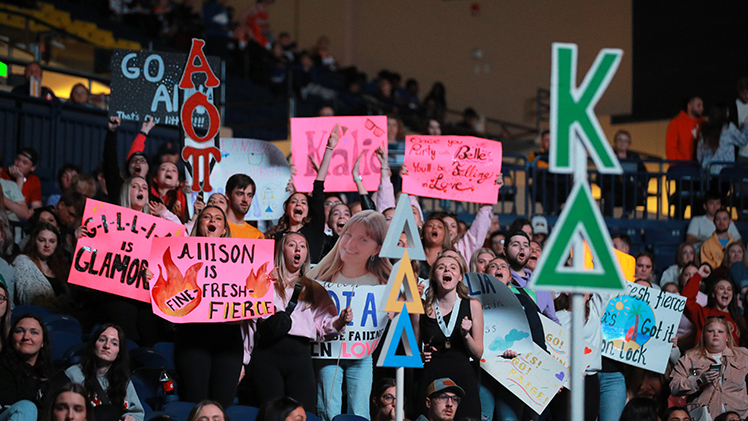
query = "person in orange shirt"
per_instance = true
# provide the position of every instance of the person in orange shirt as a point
(683, 130)
(240, 189)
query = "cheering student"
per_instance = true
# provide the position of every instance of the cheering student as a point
(354, 260)
(451, 332)
(281, 364)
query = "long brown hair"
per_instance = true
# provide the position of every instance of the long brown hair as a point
(462, 289)
(196, 227)
(57, 262)
(312, 293)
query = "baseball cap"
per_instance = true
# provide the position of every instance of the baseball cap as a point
(539, 225)
(445, 383)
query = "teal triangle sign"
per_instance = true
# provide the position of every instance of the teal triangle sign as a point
(401, 329)
(402, 221)
(269, 209)
(579, 217)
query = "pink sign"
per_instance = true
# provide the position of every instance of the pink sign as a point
(213, 280)
(113, 255)
(460, 168)
(357, 134)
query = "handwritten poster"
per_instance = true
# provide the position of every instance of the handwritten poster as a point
(211, 280)
(558, 344)
(638, 325)
(504, 320)
(264, 163)
(460, 168)
(113, 255)
(363, 334)
(146, 83)
(534, 377)
(357, 135)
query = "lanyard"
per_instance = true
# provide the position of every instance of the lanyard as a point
(447, 330)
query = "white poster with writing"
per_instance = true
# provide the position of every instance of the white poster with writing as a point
(638, 326)
(363, 334)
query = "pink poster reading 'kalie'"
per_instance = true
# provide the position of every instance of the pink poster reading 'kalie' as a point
(462, 168)
(211, 280)
(357, 135)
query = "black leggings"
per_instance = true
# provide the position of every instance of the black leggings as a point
(209, 361)
(285, 369)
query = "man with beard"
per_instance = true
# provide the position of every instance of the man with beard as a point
(713, 249)
(683, 130)
(240, 189)
(518, 253)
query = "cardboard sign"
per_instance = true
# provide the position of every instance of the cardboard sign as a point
(211, 280)
(504, 320)
(461, 168)
(357, 135)
(401, 332)
(534, 377)
(114, 254)
(264, 163)
(638, 326)
(145, 83)
(362, 335)
(402, 280)
(558, 344)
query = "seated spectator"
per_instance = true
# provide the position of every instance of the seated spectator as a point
(442, 400)
(105, 373)
(383, 400)
(209, 410)
(8, 248)
(432, 128)
(469, 123)
(728, 416)
(644, 269)
(83, 184)
(322, 53)
(685, 254)
(33, 86)
(6, 305)
(42, 270)
(497, 240)
(25, 368)
(435, 103)
(280, 409)
(736, 266)
(22, 173)
(701, 227)
(539, 229)
(721, 388)
(548, 188)
(713, 249)
(69, 403)
(627, 189)
(640, 409)
(676, 413)
(79, 95)
(719, 138)
(621, 242)
(64, 180)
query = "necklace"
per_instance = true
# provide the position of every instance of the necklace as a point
(446, 329)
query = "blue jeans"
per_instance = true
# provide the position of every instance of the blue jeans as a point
(612, 395)
(20, 411)
(358, 376)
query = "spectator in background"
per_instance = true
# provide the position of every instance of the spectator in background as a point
(322, 53)
(621, 242)
(539, 229)
(64, 178)
(739, 112)
(497, 241)
(79, 95)
(42, 270)
(644, 269)
(684, 255)
(713, 249)
(469, 123)
(736, 265)
(443, 400)
(217, 30)
(435, 103)
(683, 130)
(432, 127)
(68, 403)
(549, 189)
(701, 227)
(719, 138)
(22, 172)
(240, 190)
(33, 86)
(208, 410)
(627, 189)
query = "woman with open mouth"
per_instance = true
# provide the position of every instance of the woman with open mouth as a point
(105, 372)
(281, 364)
(209, 356)
(134, 195)
(354, 260)
(451, 333)
(42, 270)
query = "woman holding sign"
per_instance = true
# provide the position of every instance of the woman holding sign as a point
(281, 362)
(209, 355)
(451, 332)
(713, 373)
(354, 260)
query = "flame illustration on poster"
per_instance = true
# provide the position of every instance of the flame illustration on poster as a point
(258, 283)
(177, 287)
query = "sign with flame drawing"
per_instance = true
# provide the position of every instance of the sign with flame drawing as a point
(213, 280)
(111, 256)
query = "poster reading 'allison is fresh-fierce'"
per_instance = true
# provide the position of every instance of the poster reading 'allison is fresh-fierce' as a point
(460, 168)
(211, 280)
(112, 254)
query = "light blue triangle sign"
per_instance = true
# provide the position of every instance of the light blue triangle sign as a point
(269, 210)
(403, 221)
(401, 330)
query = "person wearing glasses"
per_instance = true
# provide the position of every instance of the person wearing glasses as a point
(383, 400)
(444, 396)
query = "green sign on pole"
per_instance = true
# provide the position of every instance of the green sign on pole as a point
(580, 217)
(3, 69)
(572, 108)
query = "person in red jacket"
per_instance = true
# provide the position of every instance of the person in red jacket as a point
(683, 130)
(722, 303)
